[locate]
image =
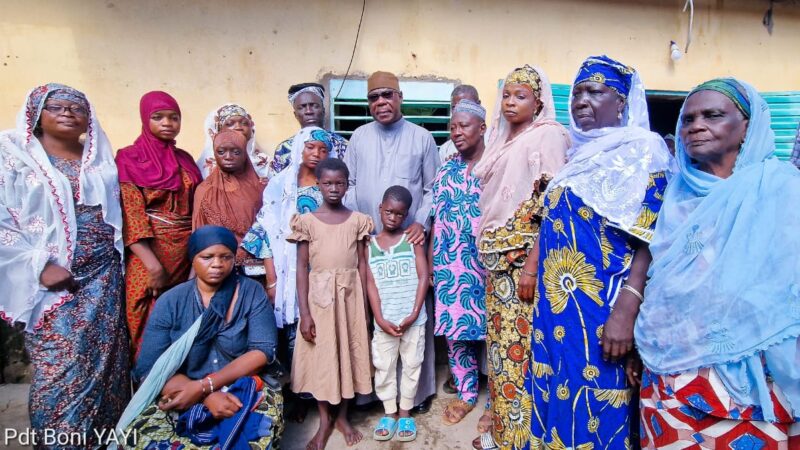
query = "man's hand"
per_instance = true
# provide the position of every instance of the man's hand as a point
(415, 234)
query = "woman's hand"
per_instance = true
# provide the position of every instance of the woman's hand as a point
(271, 291)
(184, 398)
(633, 369)
(308, 329)
(157, 280)
(617, 338)
(527, 287)
(222, 404)
(56, 278)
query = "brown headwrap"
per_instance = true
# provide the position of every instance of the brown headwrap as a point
(229, 200)
(230, 137)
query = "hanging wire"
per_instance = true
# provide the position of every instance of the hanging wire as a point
(690, 5)
(355, 44)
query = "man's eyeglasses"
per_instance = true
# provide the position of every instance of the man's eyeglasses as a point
(77, 110)
(385, 94)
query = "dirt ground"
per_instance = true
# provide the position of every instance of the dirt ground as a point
(432, 432)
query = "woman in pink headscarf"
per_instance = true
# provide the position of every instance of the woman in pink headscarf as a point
(157, 183)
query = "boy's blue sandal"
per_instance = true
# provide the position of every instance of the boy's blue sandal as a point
(406, 424)
(385, 424)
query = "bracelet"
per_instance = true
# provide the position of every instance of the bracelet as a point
(270, 286)
(210, 384)
(525, 272)
(633, 291)
(203, 387)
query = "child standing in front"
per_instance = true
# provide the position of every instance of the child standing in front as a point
(397, 282)
(331, 362)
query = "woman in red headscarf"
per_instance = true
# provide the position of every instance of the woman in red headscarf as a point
(157, 183)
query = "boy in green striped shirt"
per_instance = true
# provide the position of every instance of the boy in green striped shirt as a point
(396, 286)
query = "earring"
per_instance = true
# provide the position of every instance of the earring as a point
(619, 115)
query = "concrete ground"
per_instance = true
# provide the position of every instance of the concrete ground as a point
(432, 432)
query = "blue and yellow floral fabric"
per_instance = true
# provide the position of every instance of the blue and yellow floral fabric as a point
(581, 401)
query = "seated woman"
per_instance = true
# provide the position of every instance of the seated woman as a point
(719, 323)
(205, 335)
(231, 196)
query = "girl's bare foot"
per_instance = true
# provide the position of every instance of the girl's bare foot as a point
(351, 435)
(320, 440)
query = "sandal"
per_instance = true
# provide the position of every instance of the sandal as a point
(484, 442)
(449, 386)
(408, 425)
(485, 422)
(385, 424)
(455, 411)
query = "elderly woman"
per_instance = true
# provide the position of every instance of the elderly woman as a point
(205, 345)
(526, 150)
(599, 210)
(718, 329)
(231, 116)
(231, 195)
(61, 263)
(459, 276)
(157, 182)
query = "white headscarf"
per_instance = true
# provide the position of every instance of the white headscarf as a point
(37, 215)
(609, 168)
(207, 162)
(278, 207)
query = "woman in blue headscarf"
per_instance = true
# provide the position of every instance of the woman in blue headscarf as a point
(203, 356)
(600, 209)
(718, 329)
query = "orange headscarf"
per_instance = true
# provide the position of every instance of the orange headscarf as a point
(226, 199)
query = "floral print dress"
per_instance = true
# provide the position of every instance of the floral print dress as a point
(80, 381)
(459, 285)
(581, 401)
(503, 251)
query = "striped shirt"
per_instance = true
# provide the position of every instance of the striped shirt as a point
(395, 274)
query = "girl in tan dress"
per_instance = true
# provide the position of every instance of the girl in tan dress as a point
(331, 362)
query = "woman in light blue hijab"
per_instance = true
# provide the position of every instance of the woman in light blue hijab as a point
(718, 329)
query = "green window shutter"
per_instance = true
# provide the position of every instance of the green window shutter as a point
(561, 100)
(784, 107)
(425, 103)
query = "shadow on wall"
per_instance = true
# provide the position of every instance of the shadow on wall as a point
(15, 366)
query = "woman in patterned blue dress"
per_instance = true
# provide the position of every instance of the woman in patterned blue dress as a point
(597, 211)
(61, 265)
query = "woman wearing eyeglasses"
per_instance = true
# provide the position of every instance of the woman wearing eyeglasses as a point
(157, 181)
(231, 196)
(61, 263)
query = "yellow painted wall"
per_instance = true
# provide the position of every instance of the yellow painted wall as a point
(249, 51)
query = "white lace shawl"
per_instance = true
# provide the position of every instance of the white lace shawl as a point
(609, 168)
(37, 215)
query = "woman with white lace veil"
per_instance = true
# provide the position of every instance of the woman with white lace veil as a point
(231, 116)
(598, 211)
(61, 263)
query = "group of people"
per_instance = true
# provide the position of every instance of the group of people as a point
(617, 295)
